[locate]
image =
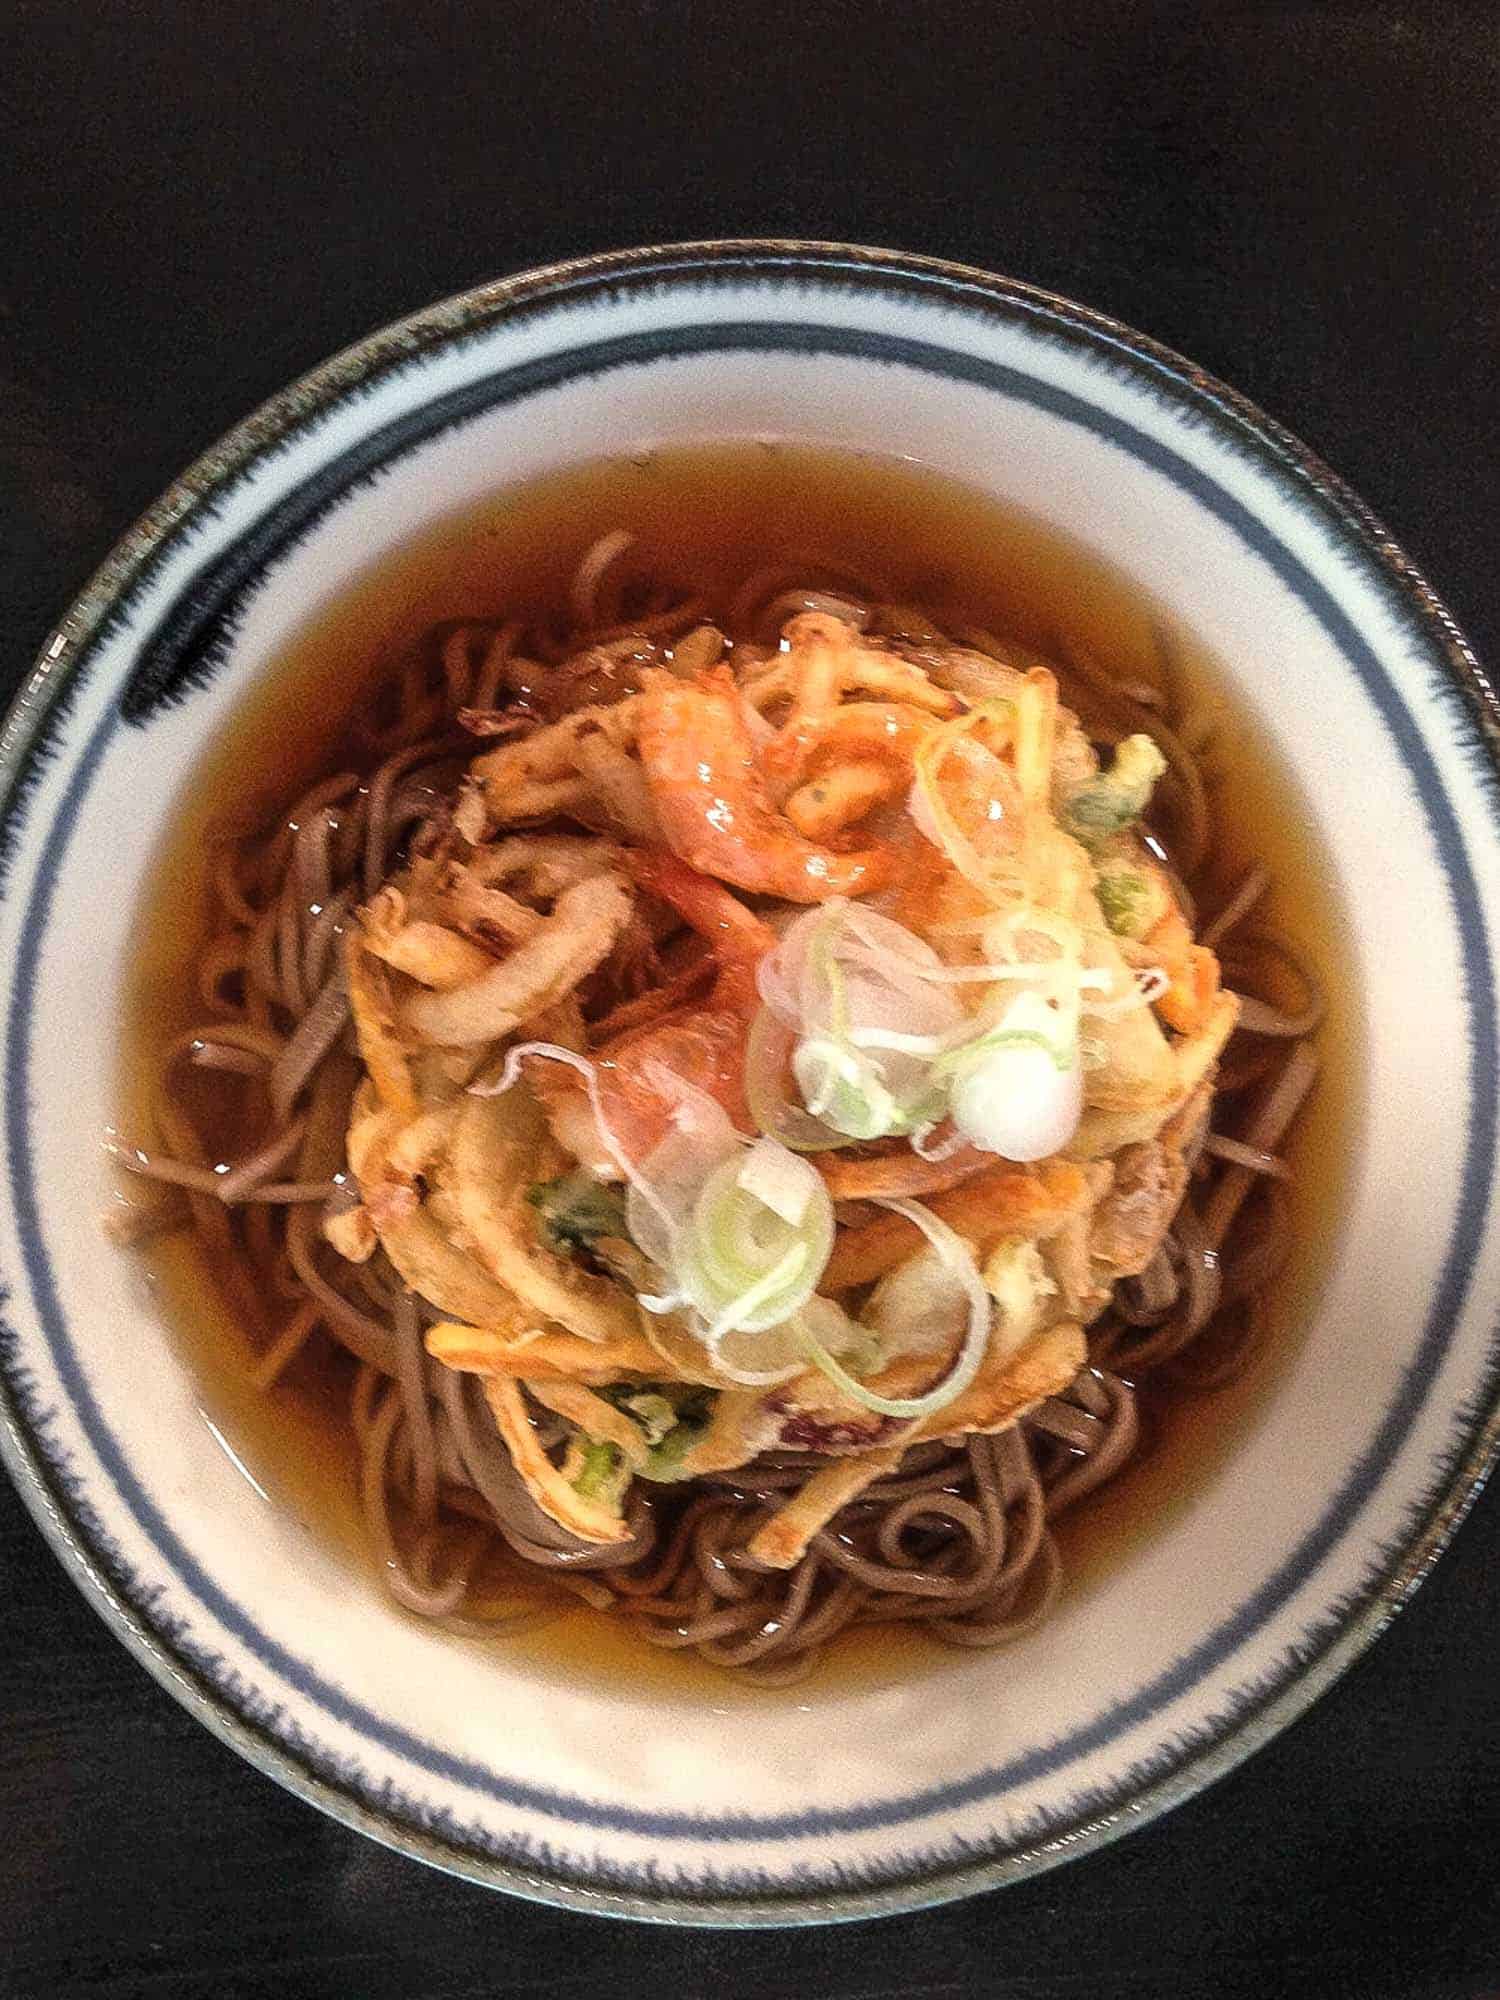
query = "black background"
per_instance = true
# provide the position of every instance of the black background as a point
(200, 201)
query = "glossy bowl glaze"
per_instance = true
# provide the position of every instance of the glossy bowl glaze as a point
(700, 1801)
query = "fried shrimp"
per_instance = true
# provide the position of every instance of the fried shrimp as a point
(714, 804)
(641, 1072)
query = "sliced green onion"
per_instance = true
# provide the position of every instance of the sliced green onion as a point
(1149, 985)
(958, 1259)
(743, 1266)
(768, 1054)
(739, 1315)
(849, 985)
(785, 1184)
(884, 940)
(896, 1042)
(661, 1303)
(822, 963)
(843, 1091)
(972, 1053)
(922, 1146)
(997, 878)
(674, 1172)
(1018, 1100)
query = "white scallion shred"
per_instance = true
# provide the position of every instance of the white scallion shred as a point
(958, 1260)
(883, 1048)
(778, 1179)
(740, 1312)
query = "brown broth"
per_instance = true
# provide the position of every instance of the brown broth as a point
(710, 515)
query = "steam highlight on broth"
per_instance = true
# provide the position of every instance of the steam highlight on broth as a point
(753, 1076)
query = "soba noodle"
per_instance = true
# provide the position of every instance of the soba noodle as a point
(959, 1536)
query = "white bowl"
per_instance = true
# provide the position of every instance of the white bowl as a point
(695, 1800)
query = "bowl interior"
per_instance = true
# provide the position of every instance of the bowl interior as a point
(669, 1789)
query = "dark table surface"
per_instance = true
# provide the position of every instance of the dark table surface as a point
(197, 202)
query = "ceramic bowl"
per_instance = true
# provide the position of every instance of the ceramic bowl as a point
(697, 1800)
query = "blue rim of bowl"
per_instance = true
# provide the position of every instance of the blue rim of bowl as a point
(306, 402)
